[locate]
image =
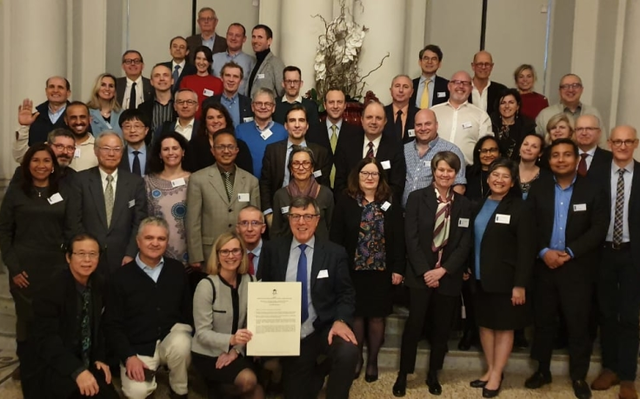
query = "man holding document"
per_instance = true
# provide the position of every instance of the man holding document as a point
(328, 304)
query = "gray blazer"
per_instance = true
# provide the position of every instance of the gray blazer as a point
(213, 317)
(269, 75)
(209, 211)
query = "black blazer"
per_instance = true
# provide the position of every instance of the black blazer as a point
(124, 163)
(585, 230)
(600, 168)
(440, 85)
(189, 69)
(130, 208)
(121, 86)
(420, 220)
(389, 127)
(333, 297)
(195, 41)
(272, 176)
(320, 135)
(521, 127)
(349, 153)
(345, 229)
(244, 103)
(495, 90)
(201, 156)
(507, 251)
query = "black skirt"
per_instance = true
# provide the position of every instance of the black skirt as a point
(206, 365)
(373, 293)
(496, 312)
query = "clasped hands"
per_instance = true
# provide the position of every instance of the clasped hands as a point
(433, 276)
(554, 258)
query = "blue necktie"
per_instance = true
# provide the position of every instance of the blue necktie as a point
(175, 75)
(302, 277)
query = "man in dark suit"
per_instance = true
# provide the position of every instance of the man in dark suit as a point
(186, 106)
(178, 65)
(251, 227)
(135, 128)
(275, 173)
(238, 105)
(69, 349)
(207, 21)
(595, 163)
(401, 113)
(161, 108)
(328, 304)
(292, 84)
(109, 203)
(571, 222)
(485, 92)
(133, 89)
(429, 59)
(619, 271)
(371, 143)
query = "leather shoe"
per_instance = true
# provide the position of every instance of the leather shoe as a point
(491, 393)
(371, 377)
(478, 384)
(627, 390)
(400, 386)
(434, 385)
(605, 380)
(581, 389)
(537, 380)
(465, 341)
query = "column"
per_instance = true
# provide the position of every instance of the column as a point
(269, 14)
(415, 36)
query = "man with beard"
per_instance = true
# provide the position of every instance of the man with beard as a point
(78, 119)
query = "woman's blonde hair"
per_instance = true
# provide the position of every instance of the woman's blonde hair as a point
(94, 101)
(557, 118)
(213, 263)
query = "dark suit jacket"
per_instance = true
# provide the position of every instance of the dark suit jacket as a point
(600, 168)
(189, 69)
(130, 207)
(244, 103)
(420, 220)
(349, 153)
(333, 297)
(441, 85)
(493, 95)
(389, 127)
(280, 114)
(320, 135)
(585, 230)
(169, 126)
(121, 86)
(507, 251)
(272, 176)
(195, 41)
(124, 163)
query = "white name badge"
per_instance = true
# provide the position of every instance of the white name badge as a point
(323, 273)
(260, 76)
(55, 198)
(579, 207)
(132, 203)
(386, 165)
(77, 153)
(503, 219)
(463, 222)
(207, 92)
(467, 125)
(178, 182)
(385, 206)
(247, 119)
(441, 94)
(411, 132)
(244, 197)
(266, 134)
(317, 173)
(284, 210)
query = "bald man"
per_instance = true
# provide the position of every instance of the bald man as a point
(594, 161)
(401, 112)
(485, 93)
(461, 122)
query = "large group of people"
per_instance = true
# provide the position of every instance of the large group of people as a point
(136, 221)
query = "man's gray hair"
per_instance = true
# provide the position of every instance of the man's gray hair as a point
(104, 134)
(264, 90)
(153, 221)
(304, 203)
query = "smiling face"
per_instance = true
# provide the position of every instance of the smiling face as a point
(186, 104)
(303, 230)
(132, 65)
(56, 91)
(401, 89)
(77, 118)
(233, 259)
(373, 120)
(235, 37)
(587, 131)
(231, 78)
(301, 168)
(426, 126)
(525, 80)
(296, 125)
(107, 88)
(178, 49)
(560, 130)
(109, 152)
(570, 90)
(508, 106)
(489, 151)
(225, 150)
(263, 107)
(369, 177)
(215, 120)
(623, 142)
(444, 176)
(152, 243)
(482, 65)
(335, 104)
(201, 62)
(63, 148)
(134, 132)
(531, 148)
(259, 41)
(429, 63)
(459, 87)
(500, 181)
(563, 160)
(171, 152)
(161, 78)
(84, 259)
(41, 166)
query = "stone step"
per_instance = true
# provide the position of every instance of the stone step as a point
(7, 325)
(6, 301)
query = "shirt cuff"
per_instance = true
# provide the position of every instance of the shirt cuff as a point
(570, 252)
(76, 373)
(541, 253)
(267, 211)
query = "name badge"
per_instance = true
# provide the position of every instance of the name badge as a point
(385, 206)
(55, 198)
(178, 182)
(503, 219)
(132, 203)
(441, 94)
(323, 273)
(317, 173)
(284, 210)
(579, 207)
(244, 197)
(207, 92)
(247, 119)
(266, 134)
(386, 165)
(260, 76)
(463, 222)
(467, 125)
(77, 153)
(411, 132)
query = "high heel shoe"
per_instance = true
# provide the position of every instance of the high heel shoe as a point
(478, 383)
(371, 377)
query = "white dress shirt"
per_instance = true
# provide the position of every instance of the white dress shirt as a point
(186, 131)
(480, 100)
(103, 179)
(376, 144)
(139, 92)
(628, 179)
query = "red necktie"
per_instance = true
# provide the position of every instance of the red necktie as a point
(370, 152)
(582, 166)
(251, 268)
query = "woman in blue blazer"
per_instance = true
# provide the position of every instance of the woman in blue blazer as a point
(103, 106)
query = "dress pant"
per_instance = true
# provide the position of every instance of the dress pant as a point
(619, 300)
(302, 378)
(443, 310)
(49, 383)
(568, 288)
(174, 351)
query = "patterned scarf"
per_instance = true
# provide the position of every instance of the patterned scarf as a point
(442, 225)
(310, 191)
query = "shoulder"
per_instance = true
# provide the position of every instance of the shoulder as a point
(123, 275)
(173, 265)
(330, 247)
(243, 173)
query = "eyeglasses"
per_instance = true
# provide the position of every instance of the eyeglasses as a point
(133, 127)
(260, 104)
(483, 64)
(574, 86)
(430, 59)
(132, 62)
(108, 150)
(227, 252)
(369, 174)
(492, 150)
(207, 19)
(221, 147)
(90, 255)
(296, 218)
(253, 223)
(301, 164)
(65, 148)
(627, 143)
(292, 82)
(460, 82)
(190, 103)
(587, 129)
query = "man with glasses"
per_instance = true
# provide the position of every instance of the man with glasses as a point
(77, 117)
(484, 92)
(292, 83)
(186, 106)
(236, 36)
(110, 203)
(133, 89)
(461, 122)
(161, 109)
(251, 227)
(215, 196)
(267, 72)
(135, 128)
(328, 304)
(594, 161)
(238, 105)
(262, 131)
(207, 21)
(570, 92)
(429, 89)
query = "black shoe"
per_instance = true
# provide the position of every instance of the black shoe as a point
(400, 386)
(465, 341)
(581, 389)
(478, 383)
(174, 395)
(371, 377)
(434, 385)
(519, 340)
(537, 380)
(491, 393)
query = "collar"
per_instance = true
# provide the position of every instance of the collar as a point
(329, 124)
(464, 104)
(233, 55)
(628, 167)
(144, 266)
(424, 78)
(233, 171)
(257, 250)
(290, 144)
(591, 152)
(567, 109)
(431, 144)
(138, 81)
(103, 174)
(485, 88)
(143, 150)
(570, 185)
(269, 126)
(173, 65)
(232, 98)
(376, 142)
(190, 124)
(261, 55)
(311, 243)
(297, 100)
(404, 110)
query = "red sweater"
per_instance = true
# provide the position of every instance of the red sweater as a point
(204, 86)
(532, 104)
